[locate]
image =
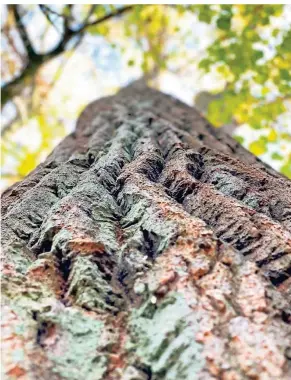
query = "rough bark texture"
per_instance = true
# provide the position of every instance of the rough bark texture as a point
(148, 245)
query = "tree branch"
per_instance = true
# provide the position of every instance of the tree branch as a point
(118, 12)
(13, 87)
(92, 9)
(45, 9)
(47, 13)
(22, 31)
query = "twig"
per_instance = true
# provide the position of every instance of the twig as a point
(118, 12)
(47, 9)
(46, 13)
(22, 31)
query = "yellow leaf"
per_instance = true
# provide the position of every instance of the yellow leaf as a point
(257, 148)
(272, 136)
(265, 91)
(28, 163)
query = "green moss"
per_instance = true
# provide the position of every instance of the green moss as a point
(163, 338)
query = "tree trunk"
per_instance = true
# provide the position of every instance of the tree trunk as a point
(148, 245)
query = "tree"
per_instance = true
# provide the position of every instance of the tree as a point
(148, 245)
(247, 58)
(33, 59)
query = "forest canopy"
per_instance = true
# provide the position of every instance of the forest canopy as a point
(231, 61)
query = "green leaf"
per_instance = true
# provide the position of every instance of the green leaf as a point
(206, 13)
(224, 22)
(239, 139)
(205, 64)
(258, 54)
(285, 74)
(277, 156)
(130, 62)
(286, 169)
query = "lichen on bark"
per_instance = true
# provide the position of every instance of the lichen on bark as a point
(165, 344)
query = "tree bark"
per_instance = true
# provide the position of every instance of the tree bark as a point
(148, 245)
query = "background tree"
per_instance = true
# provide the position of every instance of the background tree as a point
(244, 51)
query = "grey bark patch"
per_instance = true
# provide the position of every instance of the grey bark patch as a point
(163, 338)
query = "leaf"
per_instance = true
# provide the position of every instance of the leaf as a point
(285, 74)
(258, 54)
(205, 64)
(206, 13)
(239, 139)
(27, 164)
(258, 147)
(286, 169)
(224, 22)
(272, 136)
(277, 156)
